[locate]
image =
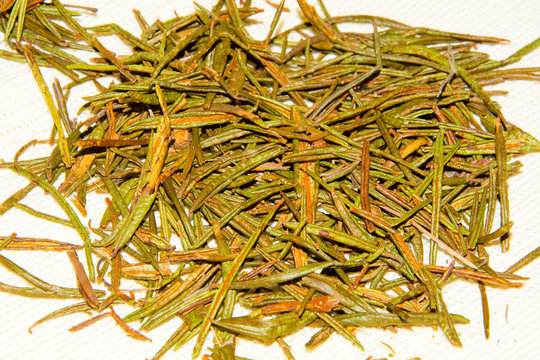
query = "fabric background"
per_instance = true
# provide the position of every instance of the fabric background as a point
(515, 325)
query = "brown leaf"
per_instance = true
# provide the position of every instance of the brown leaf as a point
(127, 329)
(83, 283)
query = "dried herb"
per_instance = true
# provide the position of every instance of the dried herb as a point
(300, 176)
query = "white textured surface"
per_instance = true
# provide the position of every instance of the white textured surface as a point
(514, 313)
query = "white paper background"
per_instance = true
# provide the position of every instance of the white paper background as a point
(514, 313)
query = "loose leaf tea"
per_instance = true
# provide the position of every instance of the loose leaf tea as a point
(315, 178)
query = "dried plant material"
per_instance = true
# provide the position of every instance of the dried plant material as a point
(300, 176)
